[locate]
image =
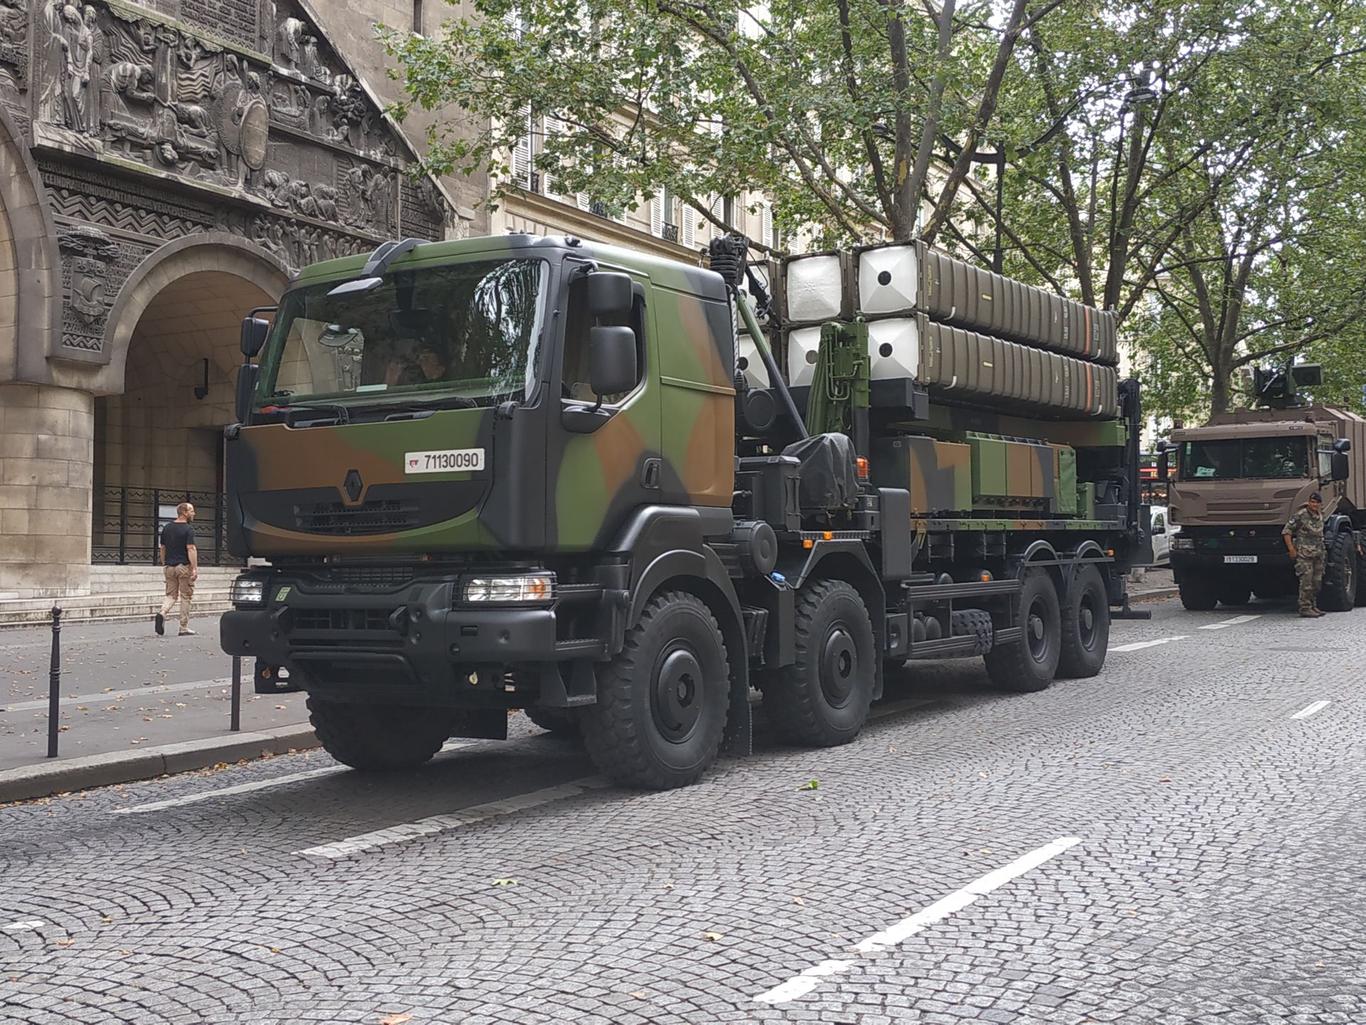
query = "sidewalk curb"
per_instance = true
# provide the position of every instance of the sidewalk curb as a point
(47, 778)
(1156, 594)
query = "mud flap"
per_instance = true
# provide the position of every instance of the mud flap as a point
(738, 740)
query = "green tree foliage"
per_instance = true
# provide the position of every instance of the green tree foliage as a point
(1193, 165)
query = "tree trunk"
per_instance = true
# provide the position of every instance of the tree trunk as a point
(1220, 391)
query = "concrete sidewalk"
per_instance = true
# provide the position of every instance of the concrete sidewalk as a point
(130, 702)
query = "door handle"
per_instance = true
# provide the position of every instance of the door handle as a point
(649, 474)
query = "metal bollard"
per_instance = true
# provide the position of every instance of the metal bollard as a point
(54, 684)
(236, 723)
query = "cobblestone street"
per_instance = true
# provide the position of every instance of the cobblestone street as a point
(1174, 841)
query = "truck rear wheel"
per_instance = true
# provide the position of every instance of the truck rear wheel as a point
(661, 708)
(822, 699)
(1198, 594)
(1339, 590)
(379, 737)
(1030, 663)
(1085, 626)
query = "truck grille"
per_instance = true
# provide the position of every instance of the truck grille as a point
(384, 516)
(342, 619)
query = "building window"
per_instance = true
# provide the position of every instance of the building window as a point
(728, 213)
(417, 17)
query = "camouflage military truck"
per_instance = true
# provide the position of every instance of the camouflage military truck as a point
(524, 472)
(1242, 476)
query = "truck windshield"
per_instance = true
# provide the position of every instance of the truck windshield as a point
(1263, 458)
(471, 331)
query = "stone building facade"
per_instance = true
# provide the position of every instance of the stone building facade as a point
(164, 167)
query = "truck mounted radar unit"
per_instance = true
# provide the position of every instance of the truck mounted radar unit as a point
(601, 486)
(1241, 477)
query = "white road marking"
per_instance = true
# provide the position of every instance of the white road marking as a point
(130, 692)
(26, 924)
(1136, 645)
(246, 788)
(1308, 710)
(433, 824)
(1235, 621)
(801, 984)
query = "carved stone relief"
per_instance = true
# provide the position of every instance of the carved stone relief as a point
(86, 257)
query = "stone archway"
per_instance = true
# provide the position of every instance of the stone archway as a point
(173, 339)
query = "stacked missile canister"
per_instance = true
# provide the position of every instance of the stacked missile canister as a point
(965, 334)
(992, 397)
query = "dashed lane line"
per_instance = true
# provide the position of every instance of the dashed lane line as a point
(799, 985)
(1137, 645)
(1308, 710)
(1235, 621)
(121, 695)
(247, 788)
(434, 824)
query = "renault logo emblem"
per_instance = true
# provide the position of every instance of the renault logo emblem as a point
(353, 485)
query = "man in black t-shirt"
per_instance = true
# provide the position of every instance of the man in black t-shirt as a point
(180, 558)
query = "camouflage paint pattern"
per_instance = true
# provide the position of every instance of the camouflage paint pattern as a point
(543, 487)
(1012, 474)
(938, 474)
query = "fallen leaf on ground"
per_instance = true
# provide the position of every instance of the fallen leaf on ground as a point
(1164, 779)
(505, 882)
(395, 1019)
(711, 937)
(811, 784)
(66, 943)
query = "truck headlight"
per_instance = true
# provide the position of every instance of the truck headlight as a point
(1183, 543)
(524, 588)
(248, 591)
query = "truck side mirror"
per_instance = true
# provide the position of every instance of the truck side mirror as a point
(254, 332)
(1342, 445)
(1338, 465)
(1162, 461)
(609, 295)
(611, 360)
(247, 376)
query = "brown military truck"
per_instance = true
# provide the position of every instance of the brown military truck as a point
(1240, 477)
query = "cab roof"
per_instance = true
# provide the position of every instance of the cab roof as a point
(668, 273)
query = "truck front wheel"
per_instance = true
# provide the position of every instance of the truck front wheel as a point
(661, 708)
(1085, 626)
(1030, 663)
(1339, 590)
(1199, 594)
(822, 699)
(379, 737)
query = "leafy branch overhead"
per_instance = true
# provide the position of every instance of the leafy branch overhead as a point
(1193, 165)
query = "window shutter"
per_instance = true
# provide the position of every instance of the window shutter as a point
(521, 151)
(656, 216)
(583, 201)
(766, 228)
(554, 128)
(687, 228)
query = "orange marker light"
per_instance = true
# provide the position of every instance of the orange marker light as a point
(808, 543)
(828, 535)
(862, 468)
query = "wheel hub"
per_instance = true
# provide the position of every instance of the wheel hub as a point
(1038, 641)
(838, 666)
(677, 694)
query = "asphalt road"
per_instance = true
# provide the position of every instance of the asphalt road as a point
(1176, 841)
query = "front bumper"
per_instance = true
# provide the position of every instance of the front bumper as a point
(411, 643)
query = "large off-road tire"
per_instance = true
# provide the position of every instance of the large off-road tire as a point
(1030, 664)
(379, 737)
(1085, 626)
(822, 699)
(1199, 594)
(1339, 590)
(557, 721)
(662, 702)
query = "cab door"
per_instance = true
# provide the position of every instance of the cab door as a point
(602, 463)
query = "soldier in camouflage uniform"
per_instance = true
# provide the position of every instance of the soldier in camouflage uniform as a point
(1303, 536)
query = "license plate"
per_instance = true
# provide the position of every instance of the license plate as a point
(444, 461)
(1240, 558)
